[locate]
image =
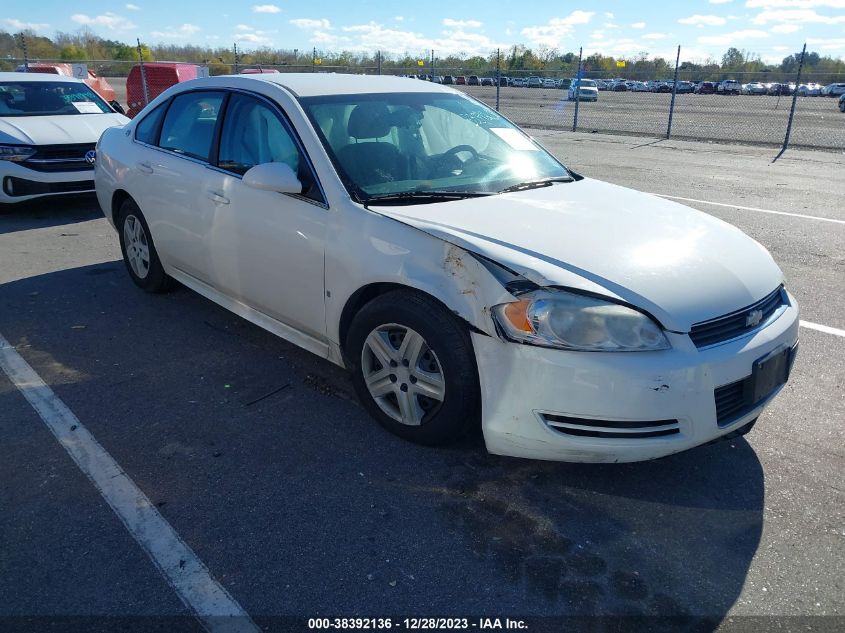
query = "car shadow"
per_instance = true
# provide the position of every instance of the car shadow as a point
(671, 538)
(47, 212)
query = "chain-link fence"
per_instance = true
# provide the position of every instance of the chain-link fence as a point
(752, 108)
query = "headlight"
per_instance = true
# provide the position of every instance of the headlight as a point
(566, 320)
(16, 152)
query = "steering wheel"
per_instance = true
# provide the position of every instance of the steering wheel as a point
(449, 160)
(458, 149)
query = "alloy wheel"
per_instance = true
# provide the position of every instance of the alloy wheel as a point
(136, 246)
(402, 374)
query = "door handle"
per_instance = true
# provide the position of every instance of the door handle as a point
(217, 197)
(145, 167)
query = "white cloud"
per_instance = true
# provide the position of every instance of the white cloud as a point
(638, 25)
(25, 26)
(462, 24)
(796, 15)
(176, 34)
(244, 27)
(655, 36)
(132, 7)
(794, 4)
(609, 15)
(374, 36)
(551, 33)
(726, 39)
(785, 28)
(399, 18)
(254, 38)
(265, 8)
(703, 20)
(308, 24)
(108, 20)
(827, 44)
(720, 1)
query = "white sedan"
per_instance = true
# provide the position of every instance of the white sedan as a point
(457, 269)
(49, 125)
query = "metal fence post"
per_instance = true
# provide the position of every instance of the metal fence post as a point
(498, 76)
(794, 101)
(235, 48)
(577, 90)
(674, 92)
(143, 74)
(378, 61)
(25, 53)
(432, 69)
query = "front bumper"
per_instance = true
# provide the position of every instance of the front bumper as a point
(524, 388)
(18, 183)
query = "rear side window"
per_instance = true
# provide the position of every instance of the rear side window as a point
(147, 130)
(188, 126)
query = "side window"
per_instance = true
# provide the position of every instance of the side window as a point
(253, 134)
(146, 130)
(188, 126)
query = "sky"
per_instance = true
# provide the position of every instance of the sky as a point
(704, 28)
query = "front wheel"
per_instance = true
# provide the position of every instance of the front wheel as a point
(413, 367)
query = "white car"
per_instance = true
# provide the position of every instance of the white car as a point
(588, 90)
(458, 270)
(49, 125)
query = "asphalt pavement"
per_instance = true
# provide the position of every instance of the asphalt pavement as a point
(259, 457)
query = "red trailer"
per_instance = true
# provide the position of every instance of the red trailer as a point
(159, 76)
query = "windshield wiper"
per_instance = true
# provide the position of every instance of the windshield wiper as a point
(423, 197)
(533, 184)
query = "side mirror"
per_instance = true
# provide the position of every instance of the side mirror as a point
(117, 107)
(273, 177)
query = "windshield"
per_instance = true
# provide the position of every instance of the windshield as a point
(423, 142)
(43, 98)
(587, 83)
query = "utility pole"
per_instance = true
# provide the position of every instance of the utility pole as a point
(235, 48)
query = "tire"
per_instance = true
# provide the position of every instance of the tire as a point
(441, 358)
(147, 273)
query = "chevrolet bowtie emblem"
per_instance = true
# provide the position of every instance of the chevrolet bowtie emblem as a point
(754, 317)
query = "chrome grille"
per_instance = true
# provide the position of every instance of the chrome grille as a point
(737, 323)
(52, 158)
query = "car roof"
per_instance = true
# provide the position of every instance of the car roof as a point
(318, 84)
(10, 76)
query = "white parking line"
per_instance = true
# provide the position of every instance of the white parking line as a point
(736, 206)
(187, 574)
(822, 328)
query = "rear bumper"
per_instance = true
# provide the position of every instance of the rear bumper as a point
(604, 407)
(18, 183)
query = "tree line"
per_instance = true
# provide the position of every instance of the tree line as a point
(84, 45)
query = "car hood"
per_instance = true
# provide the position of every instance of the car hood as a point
(681, 265)
(60, 129)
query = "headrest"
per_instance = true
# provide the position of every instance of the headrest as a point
(370, 119)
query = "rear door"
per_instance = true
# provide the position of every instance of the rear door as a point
(171, 175)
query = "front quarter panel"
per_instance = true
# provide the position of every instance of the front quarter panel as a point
(369, 248)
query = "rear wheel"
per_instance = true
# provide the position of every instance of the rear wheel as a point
(139, 252)
(414, 368)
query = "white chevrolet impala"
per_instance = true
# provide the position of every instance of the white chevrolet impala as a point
(459, 271)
